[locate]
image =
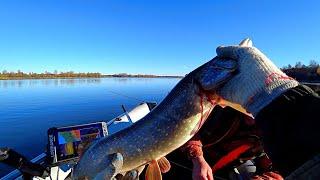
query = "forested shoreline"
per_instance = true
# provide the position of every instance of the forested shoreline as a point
(5, 75)
(303, 73)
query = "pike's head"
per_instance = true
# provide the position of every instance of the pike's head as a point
(215, 73)
(212, 75)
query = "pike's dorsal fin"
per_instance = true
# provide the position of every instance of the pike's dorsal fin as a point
(153, 171)
(164, 164)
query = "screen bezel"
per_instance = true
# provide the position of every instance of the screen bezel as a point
(54, 142)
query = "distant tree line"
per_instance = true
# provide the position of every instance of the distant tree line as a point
(140, 75)
(70, 74)
(304, 73)
(46, 75)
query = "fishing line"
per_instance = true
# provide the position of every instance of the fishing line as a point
(189, 169)
(182, 166)
(126, 96)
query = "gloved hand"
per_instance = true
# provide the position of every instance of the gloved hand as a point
(258, 81)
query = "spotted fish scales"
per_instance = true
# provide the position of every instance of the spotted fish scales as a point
(171, 124)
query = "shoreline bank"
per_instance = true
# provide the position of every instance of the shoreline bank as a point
(106, 76)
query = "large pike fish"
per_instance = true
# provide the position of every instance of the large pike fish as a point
(171, 124)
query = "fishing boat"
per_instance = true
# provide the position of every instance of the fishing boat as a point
(60, 170)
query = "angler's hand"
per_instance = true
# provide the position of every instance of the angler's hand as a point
(201, 169)
(258, 81)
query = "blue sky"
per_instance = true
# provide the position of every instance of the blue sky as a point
(150, 37)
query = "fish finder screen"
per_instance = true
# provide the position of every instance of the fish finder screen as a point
(72, 142)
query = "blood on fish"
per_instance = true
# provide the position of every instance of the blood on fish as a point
(202, 95)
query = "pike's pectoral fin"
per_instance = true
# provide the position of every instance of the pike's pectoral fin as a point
(153, 171)
(113, 166)
(216, 72)
(164, 164)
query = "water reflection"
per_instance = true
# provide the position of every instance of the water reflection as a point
(46, 82)
(121, 80)
(135, 79)
(30, 107)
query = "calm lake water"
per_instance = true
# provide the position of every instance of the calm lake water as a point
(29, 107)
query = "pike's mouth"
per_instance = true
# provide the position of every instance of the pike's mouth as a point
(214, 98)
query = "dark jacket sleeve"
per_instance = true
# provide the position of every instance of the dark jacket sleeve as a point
(290, 128)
